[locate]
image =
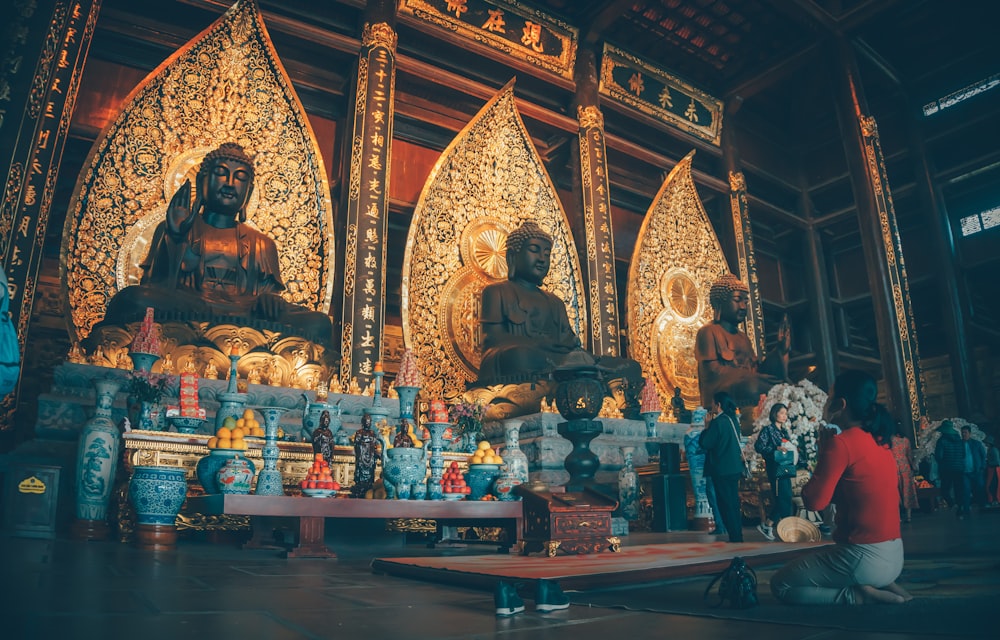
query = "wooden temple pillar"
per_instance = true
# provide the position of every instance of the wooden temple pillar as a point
(742, 233)
(880, 242)
(818, 286)
(367, 195)
(596, 210)
(44, 52)
(951, 288)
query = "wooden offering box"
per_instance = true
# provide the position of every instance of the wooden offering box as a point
(574, 522)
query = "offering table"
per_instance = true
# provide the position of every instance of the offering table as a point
(313, 512)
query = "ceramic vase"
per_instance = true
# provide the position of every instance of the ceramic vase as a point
(269, 480)
(402, 467)
(503, 486)
(628, 486)
(514, 459)
(157, 495)
(437, 429)
(235, 476)
(699, 485)
(207, 469)
(98, 450)
(149, 416)
(480, 479)
(143, 361)
(407, 400)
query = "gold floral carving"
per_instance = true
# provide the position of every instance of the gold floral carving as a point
(746, 258)
(487, 182)
(379, 35)
(590, 117)
(225, 85)
(906, 333)
(677, 256)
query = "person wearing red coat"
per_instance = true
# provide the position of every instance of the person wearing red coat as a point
(856, 470)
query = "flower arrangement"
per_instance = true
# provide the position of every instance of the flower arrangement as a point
(928, 434)
(146, 387)
(467, 418)
(805, 403)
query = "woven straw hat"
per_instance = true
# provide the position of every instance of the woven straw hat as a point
(795, 529)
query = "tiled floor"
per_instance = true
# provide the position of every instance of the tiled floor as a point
(69, 589)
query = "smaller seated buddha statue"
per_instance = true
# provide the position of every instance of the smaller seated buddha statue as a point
(725, 355)
(526, 330)
(206, 263)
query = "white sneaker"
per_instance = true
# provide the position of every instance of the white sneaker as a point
(766, 531)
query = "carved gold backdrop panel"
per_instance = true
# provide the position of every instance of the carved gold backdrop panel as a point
(226, 84)
(676, 257)
(485, 184)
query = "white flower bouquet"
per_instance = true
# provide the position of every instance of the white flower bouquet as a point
(805, 403)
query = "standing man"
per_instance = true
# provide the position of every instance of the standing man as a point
(950, 453)
(975, 466)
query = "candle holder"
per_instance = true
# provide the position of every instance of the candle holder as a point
(579, 397)
(269, 481)
(232, 403)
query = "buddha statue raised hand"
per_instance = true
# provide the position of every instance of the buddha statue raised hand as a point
(206, 263)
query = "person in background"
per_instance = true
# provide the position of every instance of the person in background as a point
(903, 454)
(858, 467)
(975, 466)
(950, 455)
(772, 437)
(724, 462)
(992, 472)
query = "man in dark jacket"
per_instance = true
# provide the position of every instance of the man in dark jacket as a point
(950, 455)
(976, 459)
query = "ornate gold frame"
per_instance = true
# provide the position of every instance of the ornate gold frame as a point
(486, 182)
(676, 255)
(195, 100)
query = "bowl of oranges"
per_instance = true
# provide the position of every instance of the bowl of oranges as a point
(234, 432)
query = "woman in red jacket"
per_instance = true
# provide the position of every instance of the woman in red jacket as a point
(856, 470)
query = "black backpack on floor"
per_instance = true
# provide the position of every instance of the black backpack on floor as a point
(737, 585)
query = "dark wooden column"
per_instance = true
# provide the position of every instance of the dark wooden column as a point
(739, 227)
(879, 240)
(951, 290)
(44, 49)
(819, 293)
(596, 211)
(367, 190)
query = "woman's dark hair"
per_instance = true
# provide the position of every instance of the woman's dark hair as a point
(726, 402)
(883, 426)
(775, 408)
(858, 390)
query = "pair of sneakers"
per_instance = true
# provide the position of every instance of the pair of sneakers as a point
(548, 597)
(766, 531)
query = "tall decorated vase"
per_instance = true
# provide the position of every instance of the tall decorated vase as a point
(696, 465)
(98, 451)
(515, 459)
(157, 495)
(628, 486)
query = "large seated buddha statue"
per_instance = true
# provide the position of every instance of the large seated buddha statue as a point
(526, 331)
(725, 355)
(205, 263)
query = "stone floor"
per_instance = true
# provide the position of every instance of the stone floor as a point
(105, 590)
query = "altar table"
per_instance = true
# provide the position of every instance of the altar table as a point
(313, 512)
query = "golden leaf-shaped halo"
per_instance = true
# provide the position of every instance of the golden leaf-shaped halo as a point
(487, 182)
(226, 84)
(676, 257)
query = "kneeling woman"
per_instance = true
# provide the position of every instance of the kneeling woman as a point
(856, 465)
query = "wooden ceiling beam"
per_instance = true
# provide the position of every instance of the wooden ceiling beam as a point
(754, 83)
(603, 19)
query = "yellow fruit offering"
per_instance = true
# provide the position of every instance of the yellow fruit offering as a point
(484, 445)
(241, 423)
(225, 443)
(229, 422)
(238, 443)
(213, 442)
(248, 414)
(224, 432)
(238, 434)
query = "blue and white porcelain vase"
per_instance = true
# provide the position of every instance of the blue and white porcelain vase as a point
(157, 494)
(235, 476)
(99, 448)
(514, 459)
(628, 486)
(269, 480)
(696, 465)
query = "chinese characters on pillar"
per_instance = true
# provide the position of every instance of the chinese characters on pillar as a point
(604, 326)
(368, 206)
(746, 258)
(37, 121)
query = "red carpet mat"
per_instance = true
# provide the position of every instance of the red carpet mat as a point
(645, 563)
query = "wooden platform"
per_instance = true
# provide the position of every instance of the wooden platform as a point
(312, 514)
